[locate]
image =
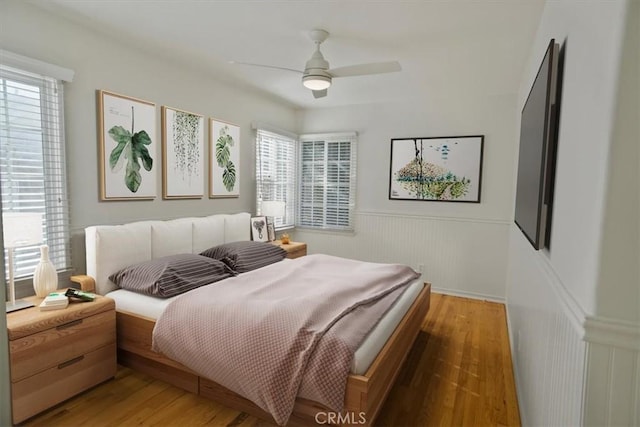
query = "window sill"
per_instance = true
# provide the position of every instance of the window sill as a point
(24, 285)
(326, 231)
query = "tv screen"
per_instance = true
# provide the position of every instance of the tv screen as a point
(536, 161)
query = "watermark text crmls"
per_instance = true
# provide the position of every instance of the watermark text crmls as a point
(340, 418)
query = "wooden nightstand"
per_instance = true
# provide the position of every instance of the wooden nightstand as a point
(294, 249)
(59, 353)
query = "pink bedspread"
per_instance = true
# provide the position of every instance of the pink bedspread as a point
(261, 333)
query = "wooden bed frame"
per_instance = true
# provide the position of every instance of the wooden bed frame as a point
(111, 248)
(365, 393)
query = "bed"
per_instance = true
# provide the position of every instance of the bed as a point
(111, 248)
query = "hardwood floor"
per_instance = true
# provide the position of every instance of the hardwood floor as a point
(458, 373)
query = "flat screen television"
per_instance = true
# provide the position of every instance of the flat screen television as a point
(536, 161)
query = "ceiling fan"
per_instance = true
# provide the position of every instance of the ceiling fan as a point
(317, 75)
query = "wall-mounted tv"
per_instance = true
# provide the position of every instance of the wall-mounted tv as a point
(538, 142)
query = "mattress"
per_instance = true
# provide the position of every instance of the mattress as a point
(152, 307)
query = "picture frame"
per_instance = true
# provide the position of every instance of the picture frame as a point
(182, 154)
(440, 169)
(124, 124)
(224, 159)
(271, 228)
(259, 231)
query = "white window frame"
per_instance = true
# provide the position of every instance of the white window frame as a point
(328, 222)
(49, 79)
(277, 181)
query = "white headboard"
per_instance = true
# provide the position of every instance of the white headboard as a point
(113, 247)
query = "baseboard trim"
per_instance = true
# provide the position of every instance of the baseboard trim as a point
(516, 371)
(465, 294)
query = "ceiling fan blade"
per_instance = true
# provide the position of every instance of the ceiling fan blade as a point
(365, 69)
(319, 93)
(266, 66)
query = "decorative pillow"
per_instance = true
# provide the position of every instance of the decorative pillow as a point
(171, 275)
(246, 255)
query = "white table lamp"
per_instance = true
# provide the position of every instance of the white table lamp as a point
(272, 208)
(19, 229)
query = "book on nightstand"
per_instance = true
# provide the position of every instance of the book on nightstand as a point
(54, 301)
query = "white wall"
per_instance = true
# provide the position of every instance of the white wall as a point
(463, 246)
(376, 124)
(553, 294)
(618, 292)
(592, 35)
(105, 62)
(612, 395)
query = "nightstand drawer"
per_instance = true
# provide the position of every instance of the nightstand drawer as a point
(41, 391)
(40, 351)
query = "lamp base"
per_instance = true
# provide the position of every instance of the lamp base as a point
(19, 305)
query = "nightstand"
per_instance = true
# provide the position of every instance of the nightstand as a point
(57, 354)
(294, 249)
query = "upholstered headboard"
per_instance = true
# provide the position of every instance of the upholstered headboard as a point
(113, 247)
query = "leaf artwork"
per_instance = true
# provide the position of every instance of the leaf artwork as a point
(428, 180)
(131, 147)
(223, 155)
(186, 129)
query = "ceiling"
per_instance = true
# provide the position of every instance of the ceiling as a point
(446, 47)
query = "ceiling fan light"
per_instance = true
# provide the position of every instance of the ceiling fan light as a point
(316, 82)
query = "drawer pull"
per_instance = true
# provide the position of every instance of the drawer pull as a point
(68, 325)
(70, 362)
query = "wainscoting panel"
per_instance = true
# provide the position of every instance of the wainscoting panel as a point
(466, 257)
(612, 393)
(546, 338)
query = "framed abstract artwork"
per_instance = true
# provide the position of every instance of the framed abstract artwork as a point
(441, 169)
(182, 154)
(224, 159)
(128, 147)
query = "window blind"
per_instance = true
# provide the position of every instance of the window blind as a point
(327, 181)
(32, 161)
(276, 174)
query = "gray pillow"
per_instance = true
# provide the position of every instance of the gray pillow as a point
(171, 275)
(246, 255)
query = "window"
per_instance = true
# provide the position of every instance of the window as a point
(275, 174)
(318, 184)
(327, 181)
(32, 158)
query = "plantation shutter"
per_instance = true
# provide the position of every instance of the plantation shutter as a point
(275, 174)
(327, 181)
(32, 158)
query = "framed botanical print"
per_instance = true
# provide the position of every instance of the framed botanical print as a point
(182, 154)
(128, 148)
(224, 159)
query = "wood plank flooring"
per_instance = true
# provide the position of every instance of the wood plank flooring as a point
(458, 373)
